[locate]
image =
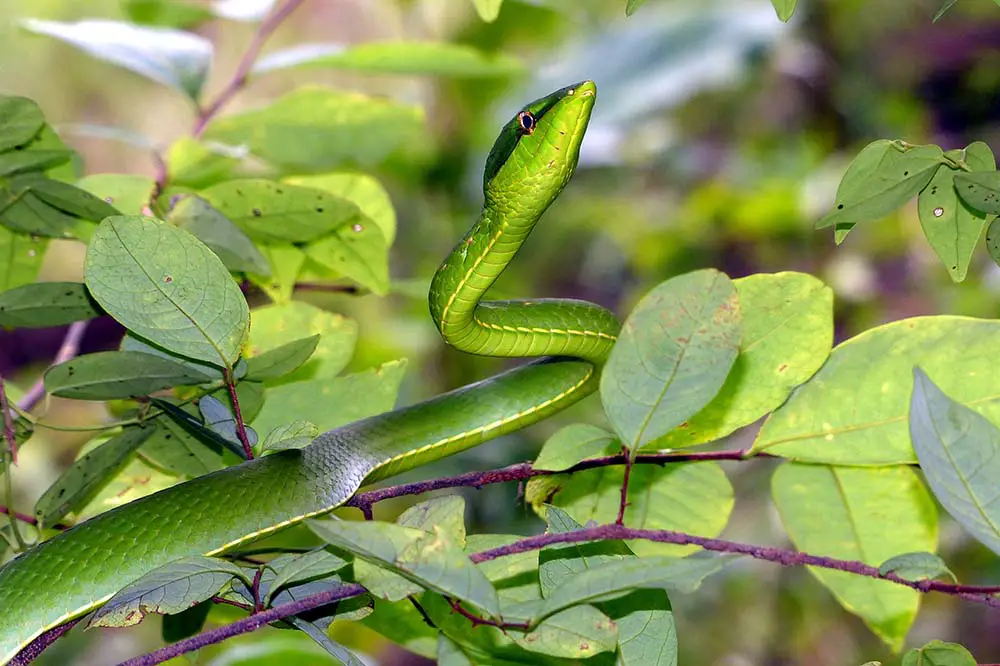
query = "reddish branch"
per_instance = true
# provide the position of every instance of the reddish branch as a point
(241, 428)
(242, 73)
(69, 348)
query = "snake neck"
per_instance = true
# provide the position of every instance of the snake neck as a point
(521, 328)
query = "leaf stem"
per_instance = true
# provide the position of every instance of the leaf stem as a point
(478, 621)
(9, 459)
(623, 502)
(242, 72)
(241, 428)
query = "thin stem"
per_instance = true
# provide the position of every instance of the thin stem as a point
(222, 600)
(69, 348)
(246, 625)
(623, 502)
(331, 288)
(241, 428)
(258, 606)
(30, 520)
(242, 73)
(9, 459)
(477, 620)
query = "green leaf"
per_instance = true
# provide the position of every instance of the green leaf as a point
(45, 304)
(953, 228)
(333, 402)
(165, 285)
(993, 240)
(559, 563)
(211, 227)
(171, 588)
(200, 429)
(784, 9)
(137, 480)
(72, 199)
(26, 212)
(575, 633)
(449, 653)
(446, 512)
(277, 325)
(21, 120)
(673, 355)
(293, 568)
(939, 653)
(617, 578)
(632, 5)
(401, 623)
(168, 13)
(133, 343)
(854, 410)
(294, 435)
(282, 360)
(787, 335)
(917, 566)
(948, 4)
(221, 421)
(361, 189)
(118, 374)
(694, 498)
(128, 193)
(957, 449)
(415, 58)
(285, 261)
(844, 512)
(171, 57)
(430, 560)
(334, 649)
(980, 190)
(314, 128)
(574, 443)
(883, 176)
(88, 475)
(176, 450)
(357, 251)
(13, 163)
(488, 10)
(271, 212)
(199, 164)
(22, 257)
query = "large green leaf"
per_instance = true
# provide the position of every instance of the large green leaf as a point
(787, 335)
(198, 164)
(854, 410)
(958, 453)
(285, 262)
(579, 632)
(574, 443)
(21, 257)
(165, 285)
(315, 128)
(271, 212)
(46, 304)
(357, 251)
(118, 374)
(939, 653)
(418, 58)
(168, 589)
(952, 227)
(672, 357)
(883, 176)
(431, 560)
(695, 498)
(864, 514)
(88, 475)
(129, 193)
(980, 189)
(171, 57)
(361, 189)
(21, 120)
(334, 401)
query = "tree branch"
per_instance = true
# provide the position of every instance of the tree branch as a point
(69, 348)
(239, 80)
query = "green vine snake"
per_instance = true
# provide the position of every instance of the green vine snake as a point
(530, 163)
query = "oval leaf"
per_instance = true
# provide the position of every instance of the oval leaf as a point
(574, 443)
(980, 190)
(121, 374)
(281, 360)
(47, 304)
(171, 57)
(917, 566)
(672, 357)
(165, 285)
(215, 230)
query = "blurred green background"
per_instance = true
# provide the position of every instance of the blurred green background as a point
(719, 137)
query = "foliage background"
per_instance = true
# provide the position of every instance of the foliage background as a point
(719, 137)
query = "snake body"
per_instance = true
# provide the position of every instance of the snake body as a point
(530, 163)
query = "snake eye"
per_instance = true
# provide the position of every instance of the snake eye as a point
(526, 121)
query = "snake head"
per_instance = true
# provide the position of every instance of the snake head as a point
(537, 150)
